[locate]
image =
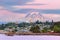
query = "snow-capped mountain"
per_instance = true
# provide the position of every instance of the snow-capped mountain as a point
(34, 16)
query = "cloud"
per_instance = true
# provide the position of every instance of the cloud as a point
(17, 5)
(13, 2)
(54, 11)
(8, 16)
(46, 11)
(31, 4)
(55, 17)
(27, 7)
(1, 7)
(44, 2)
(51, 4)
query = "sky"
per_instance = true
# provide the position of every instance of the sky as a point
(15, 10)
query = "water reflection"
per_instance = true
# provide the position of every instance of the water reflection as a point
(29, 37)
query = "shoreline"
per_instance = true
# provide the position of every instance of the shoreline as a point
(28, 33)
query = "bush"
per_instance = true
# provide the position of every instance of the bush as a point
(35, 29)
(56, 29)
(45, 29)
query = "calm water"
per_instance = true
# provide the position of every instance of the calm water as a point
(16, 37)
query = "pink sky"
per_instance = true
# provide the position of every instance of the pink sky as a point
(6, 15)
(50, 4)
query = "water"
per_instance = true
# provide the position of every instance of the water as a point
(26, 37)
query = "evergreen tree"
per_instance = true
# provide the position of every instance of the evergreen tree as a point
(35, 29)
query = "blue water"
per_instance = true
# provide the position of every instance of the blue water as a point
(26, 37)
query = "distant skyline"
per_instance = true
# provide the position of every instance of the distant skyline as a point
(14, 10)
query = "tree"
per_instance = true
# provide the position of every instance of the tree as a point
(47, 22)
(10, 24)
(45, 29)
(2, 26)
(37, 22)
(35, 29)
(56, 29)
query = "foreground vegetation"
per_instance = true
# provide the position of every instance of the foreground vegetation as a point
(35, 27)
